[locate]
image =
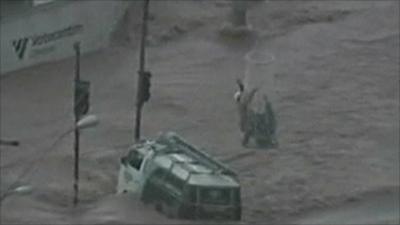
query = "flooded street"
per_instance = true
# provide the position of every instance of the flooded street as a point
(374, 208)
(337, 104)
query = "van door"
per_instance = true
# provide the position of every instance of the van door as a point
(144, 169)
(130, 173)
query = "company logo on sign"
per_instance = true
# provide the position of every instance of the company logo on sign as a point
(20, 47)
(36, 41)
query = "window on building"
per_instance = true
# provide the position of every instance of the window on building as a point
(41, 2)
(12, 7)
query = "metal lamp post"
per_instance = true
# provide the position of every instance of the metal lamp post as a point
(81, 108)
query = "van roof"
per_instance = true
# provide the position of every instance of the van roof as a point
(193, 172)
(189, 163)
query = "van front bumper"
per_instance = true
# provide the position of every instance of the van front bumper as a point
(212, 212)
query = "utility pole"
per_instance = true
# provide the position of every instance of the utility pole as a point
(76, 132)
(143, 84)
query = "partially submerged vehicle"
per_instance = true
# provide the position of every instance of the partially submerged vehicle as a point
(180, 180)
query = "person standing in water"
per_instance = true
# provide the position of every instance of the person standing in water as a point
(259, 126)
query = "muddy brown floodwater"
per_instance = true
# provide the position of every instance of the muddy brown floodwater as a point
(337, 82)
(378, 207)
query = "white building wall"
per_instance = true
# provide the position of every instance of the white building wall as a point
(47, 32)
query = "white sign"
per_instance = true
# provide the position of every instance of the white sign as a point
(48, 34)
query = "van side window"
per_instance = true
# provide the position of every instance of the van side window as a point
(135, 159)
(159, 174)
(215, 196)
(175, 182)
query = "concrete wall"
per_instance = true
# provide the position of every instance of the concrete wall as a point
(47, 32)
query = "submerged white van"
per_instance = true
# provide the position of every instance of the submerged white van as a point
(180, 180)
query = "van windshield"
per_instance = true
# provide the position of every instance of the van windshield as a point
(215, 196)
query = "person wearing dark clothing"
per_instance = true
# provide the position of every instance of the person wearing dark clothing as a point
(259, 126)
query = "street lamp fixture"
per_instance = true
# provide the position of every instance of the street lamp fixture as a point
(25, 189)
(87, 122)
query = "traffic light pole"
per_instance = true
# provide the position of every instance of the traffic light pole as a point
(9, 142)
(239, 9)
(139, 96)
(76, 132)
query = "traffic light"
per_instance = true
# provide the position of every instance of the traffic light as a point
(82, 103)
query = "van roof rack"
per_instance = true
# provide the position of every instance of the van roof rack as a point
(176, 144)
